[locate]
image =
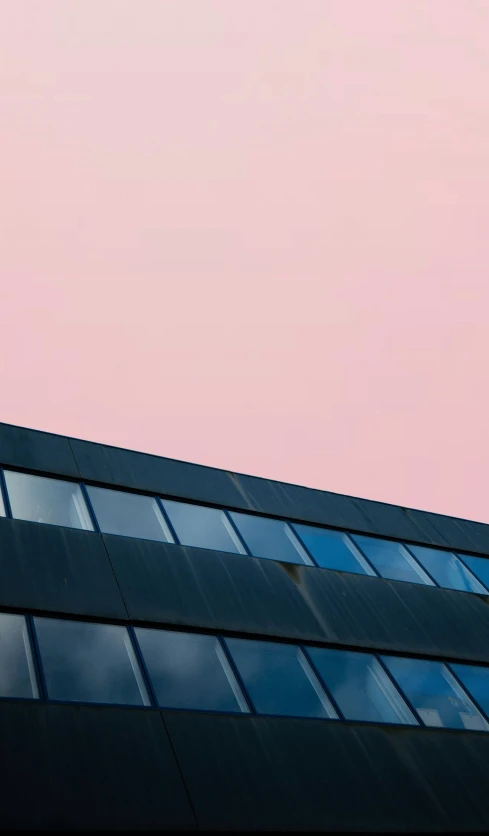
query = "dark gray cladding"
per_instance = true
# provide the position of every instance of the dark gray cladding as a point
(35, 450)
(284, 774)
(140, 471)
(219, 591)
(93, 768)
(45, 567)
(88, 768)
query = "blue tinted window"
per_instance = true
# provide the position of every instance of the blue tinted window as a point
(392, 560)
(479, 566)
(208, 528)
(270, 538)
(435, 693)
(130, 514)
(189, 670)
(476, 680)
(86, 662)
(333, 549)
(17, 673)
(279, 679)
(361, 686)
(447, 569)
(44, 500)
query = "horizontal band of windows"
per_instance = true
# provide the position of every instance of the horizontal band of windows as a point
(81, 661)
(56, 501)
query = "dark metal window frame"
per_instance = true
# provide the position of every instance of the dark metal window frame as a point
(159, 498)
(154, 705)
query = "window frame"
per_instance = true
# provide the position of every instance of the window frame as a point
(162, 499)
(290, 523)
(222, 644)
(287, 522)
(44, 475)
(34, 656)
(457, 557)
(445, 663)
(294, 523)
(221, 637)
(42, 679)
(384, 668)
(99, 530)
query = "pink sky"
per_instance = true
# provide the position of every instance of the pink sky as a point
(253, 234)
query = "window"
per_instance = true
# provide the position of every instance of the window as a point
(360, 686)
(392, 560)
(40, 499)
(479, 566)
(190, 670)
(87, 662)
(130, 514)
(447, 569)
(333, 549)
(197, 525)
(279, 679)
(476, 680)
(17, 673)
(270, 538)
(2, 505)
(435, 693)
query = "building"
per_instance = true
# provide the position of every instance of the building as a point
(186, 648)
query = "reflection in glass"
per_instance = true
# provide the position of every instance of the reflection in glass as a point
(392, 560)
(190, 670)
(279, 679)
(45, 500)
(476, 680)
(87, 662)
(447, 569)
(333, 549)
(17, 672)
(270, 538)
(2, 506)
(130, 514)
(360, 686)
(479, 566)
(197, 525)
(435, 693)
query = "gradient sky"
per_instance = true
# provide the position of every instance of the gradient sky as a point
(253, 234)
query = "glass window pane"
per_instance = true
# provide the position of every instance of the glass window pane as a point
(86, 662)
(479, 566)
(447, 569)
(333, 549)
(435, 693)
(197, 525)
(40, 499)
(270, 538)
(17, 672)
(392, 560)
(189, 670)
(130, 514)
(2, 506)
(279, 679)
(476, 680)
(361, 686)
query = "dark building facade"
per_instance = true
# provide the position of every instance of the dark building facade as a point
(183, 648)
